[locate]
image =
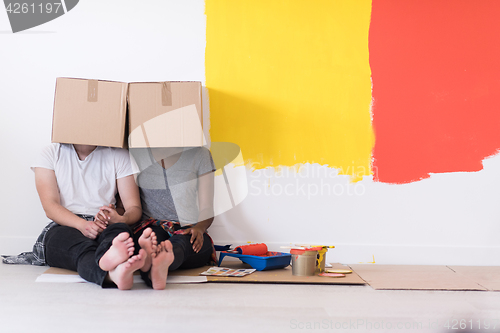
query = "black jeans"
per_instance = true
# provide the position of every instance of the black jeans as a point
(184, 255)
(67, 247)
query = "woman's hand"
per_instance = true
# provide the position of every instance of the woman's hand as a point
(196, 237)
(101, 219)
(109, 215)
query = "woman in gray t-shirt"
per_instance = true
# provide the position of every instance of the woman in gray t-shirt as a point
(177, 189)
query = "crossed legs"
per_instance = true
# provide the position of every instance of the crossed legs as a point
(159, 257)
(120, 263)
(164, 254)
(107, 259)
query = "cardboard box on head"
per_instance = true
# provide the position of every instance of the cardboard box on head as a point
(160, 114)
(90, 112)
(165, 114)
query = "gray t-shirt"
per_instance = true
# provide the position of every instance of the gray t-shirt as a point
(172, 194)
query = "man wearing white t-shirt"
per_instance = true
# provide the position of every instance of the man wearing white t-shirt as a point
(77, 185)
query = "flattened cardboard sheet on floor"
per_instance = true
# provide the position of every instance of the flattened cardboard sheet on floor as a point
(60, 275)
(283, 275)
(412, 277)
(486, 276)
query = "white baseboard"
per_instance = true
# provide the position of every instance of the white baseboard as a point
(402, 254)
(16, 245)
(351, 253)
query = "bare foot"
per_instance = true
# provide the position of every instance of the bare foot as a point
(162, 260)
(123, 274)
(148, 242)
(121, 249)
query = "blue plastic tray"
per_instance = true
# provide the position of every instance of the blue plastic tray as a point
(272, 260)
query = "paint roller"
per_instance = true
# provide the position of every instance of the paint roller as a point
(252, 249)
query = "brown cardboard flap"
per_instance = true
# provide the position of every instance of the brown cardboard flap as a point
(92, 90)
(145, 135)
(486, 276)
(166, 94)
(424, 277)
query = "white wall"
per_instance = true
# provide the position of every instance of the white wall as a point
(447, 219)
(113, 40)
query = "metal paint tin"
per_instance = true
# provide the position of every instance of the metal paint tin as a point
(304, 262)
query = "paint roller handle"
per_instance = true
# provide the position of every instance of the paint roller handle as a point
(310, 245)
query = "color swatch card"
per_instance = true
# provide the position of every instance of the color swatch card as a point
(221, 271)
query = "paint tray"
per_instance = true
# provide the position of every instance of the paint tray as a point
(271, 260)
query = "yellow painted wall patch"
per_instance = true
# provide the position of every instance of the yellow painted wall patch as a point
(289, 81)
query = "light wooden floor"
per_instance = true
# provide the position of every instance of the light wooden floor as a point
(26, 306)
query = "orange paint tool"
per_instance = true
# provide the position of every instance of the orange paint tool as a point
(252, 249)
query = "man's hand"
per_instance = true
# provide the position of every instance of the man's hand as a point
(90, 229)
(196, 237)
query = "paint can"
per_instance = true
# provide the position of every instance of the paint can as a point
(304, 261)
(322, 250)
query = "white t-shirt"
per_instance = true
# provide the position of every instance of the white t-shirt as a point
(85, 186)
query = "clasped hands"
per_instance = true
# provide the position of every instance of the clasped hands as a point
(106, 215)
